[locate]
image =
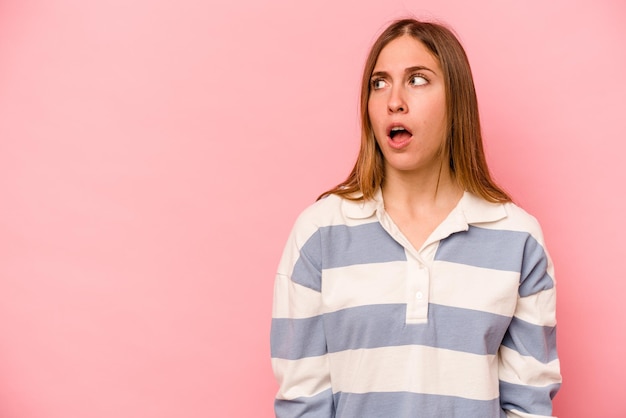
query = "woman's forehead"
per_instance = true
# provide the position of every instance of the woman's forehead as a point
(405, 52)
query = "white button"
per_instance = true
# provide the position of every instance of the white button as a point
(420, 266)
(419, 295)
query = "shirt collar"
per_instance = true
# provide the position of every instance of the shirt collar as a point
(362, 209)
(473, 208)
(477, 210)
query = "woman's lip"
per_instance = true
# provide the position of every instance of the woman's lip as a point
(397, 125)
(399, 144)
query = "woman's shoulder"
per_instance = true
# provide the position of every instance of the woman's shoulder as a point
(519, 219)
(324, 212)
(503, 215)
(329, 210)
(334, 210)
(323, 207)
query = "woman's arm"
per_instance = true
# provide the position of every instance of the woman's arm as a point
(529, 369)
(298, 343)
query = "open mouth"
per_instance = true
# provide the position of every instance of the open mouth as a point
(399, 133)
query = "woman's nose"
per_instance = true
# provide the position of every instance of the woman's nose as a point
(397, 103)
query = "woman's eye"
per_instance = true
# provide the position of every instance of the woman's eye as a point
(378, 84)
(418, 80)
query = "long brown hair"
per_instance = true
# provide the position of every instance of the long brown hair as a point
(463, 139)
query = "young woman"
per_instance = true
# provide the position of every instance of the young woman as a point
(416, 288)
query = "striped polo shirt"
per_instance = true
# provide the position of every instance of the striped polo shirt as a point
(365, 325)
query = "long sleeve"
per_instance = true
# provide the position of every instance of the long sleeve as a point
(298, 343)
(529, 370)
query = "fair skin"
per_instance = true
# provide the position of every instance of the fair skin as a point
(407, 110)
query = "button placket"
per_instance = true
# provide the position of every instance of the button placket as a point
(418, 283)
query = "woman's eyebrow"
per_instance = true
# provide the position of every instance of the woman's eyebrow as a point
(418, 68)
(385, 74)
(381, 74)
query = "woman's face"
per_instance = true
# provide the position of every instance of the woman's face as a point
(407, 106)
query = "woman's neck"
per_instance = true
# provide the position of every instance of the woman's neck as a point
(417, 204)
(421, 189)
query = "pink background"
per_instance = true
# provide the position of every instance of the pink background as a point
(154, 154)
